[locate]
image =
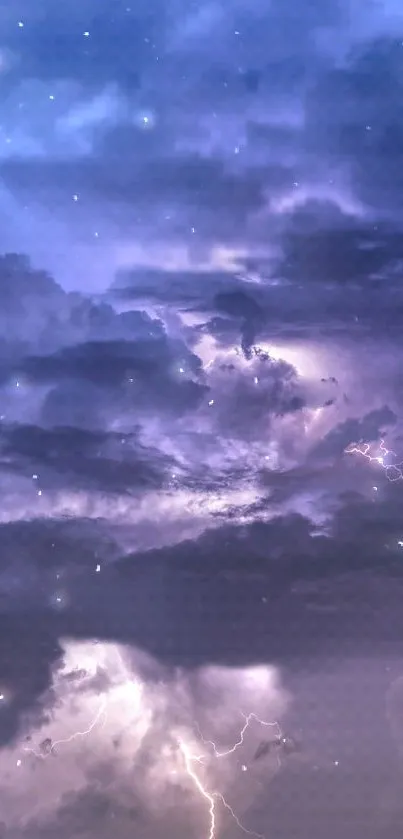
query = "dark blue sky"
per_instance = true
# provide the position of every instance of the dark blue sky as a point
(200, 426)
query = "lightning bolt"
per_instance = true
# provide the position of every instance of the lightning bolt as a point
(248, 719)
(378, 455)
(101, 713)
(209, 797)
(212, 797)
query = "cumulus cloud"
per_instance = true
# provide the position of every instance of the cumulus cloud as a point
(148, 411)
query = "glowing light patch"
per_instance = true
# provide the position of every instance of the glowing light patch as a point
(303, 359)
(102, 712)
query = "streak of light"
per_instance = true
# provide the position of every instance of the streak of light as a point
(210, 797)
(378, 454)
(194, 762)
(101, 714)
(248, 719)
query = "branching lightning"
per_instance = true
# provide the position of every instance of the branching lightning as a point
(248, 719)
(101, 714)
(194, 762)
(214, 796)
(210, 797)
(378, 454)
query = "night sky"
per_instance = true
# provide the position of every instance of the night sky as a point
(201, 434)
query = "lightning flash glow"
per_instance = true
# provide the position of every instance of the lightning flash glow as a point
(214, 796)
(380, 455)
(248, 719)
(210, 797)
(106, 713)
(48, 746)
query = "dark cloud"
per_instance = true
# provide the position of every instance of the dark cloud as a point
(353, 431)
(222, 597)
(247, 402)
(336, 250)
(362, 128)
(191, 184)
(103, 362)
(140, 377)
(238, 304)
(190, 288)
(79, 457)
(25, 674)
